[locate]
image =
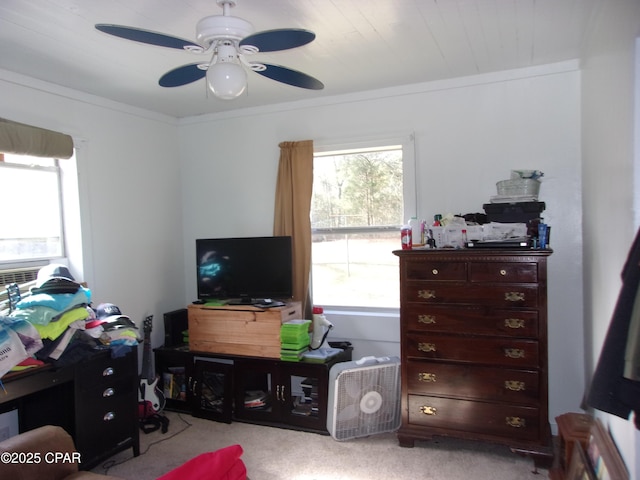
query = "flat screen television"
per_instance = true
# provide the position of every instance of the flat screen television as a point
(244, 270)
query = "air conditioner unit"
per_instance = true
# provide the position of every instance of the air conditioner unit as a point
(25, 278)
(364, 397)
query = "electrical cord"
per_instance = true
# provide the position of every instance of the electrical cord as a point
(109, 464)
(324, 337)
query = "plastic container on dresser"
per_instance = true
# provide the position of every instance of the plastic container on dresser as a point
(474, 348)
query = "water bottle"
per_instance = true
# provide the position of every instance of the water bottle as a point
(465, 239)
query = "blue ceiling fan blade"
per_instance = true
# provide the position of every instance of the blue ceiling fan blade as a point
(145, 36)
(182, 75)
(291, 77)
(280, 39)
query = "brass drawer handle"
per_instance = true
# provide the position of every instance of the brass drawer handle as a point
(427, 319)
(514, 323)
(427, 410)
(426, 377)
(516, 422)
(109, 392)
(435, 271)
(514, 385)
(109, 416)
(503, 272)
(514, 296)
(514, 352)
(426, 347)
(107, 372)
(426, 294)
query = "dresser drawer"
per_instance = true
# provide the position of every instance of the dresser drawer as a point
(505, 352)
(472, 382)
(505, 296)
(437, 271)
(503, 272)
(511, 421)
(472, 320)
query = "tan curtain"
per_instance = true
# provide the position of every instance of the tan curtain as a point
(38, 142)
(293, 204)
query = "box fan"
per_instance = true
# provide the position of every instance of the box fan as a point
(364, 397)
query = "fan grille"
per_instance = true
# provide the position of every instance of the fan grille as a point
(367, 401)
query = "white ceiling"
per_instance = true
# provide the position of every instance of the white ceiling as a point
(360, 44)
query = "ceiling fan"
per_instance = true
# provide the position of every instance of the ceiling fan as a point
(228, 40)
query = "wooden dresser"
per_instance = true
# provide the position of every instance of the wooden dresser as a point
(474, 347)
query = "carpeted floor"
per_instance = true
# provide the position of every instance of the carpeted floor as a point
(279, 454)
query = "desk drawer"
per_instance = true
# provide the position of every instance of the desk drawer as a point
(111, 390)
(103, 371)
(106, 411)
(104, 429)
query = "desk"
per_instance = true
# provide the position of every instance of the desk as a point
(95, 400)
(26, 382)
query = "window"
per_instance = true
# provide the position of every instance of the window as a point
(358, 206)
(32, 222)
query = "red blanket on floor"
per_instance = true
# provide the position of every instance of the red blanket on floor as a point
(223, 464)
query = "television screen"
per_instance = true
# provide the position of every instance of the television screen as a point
(244, 270)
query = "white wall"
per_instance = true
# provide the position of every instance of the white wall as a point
(608, 166)
(129, 170)
(469, 133)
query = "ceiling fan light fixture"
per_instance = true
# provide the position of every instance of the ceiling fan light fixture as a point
(226, 80)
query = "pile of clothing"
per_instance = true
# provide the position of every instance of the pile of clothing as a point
(56, 324)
